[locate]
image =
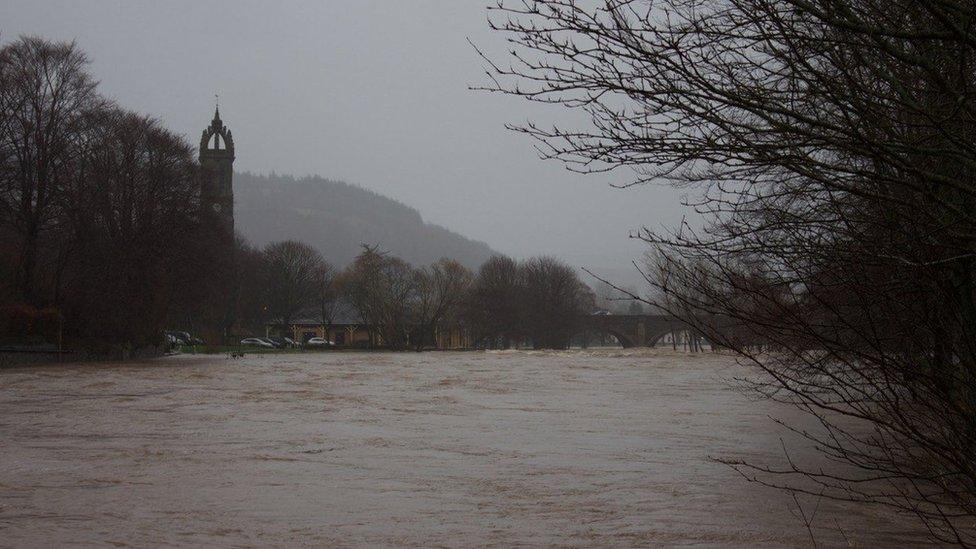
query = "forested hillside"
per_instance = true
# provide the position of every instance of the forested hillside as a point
(336, 217)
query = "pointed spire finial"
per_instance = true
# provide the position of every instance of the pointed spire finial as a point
(216, 106)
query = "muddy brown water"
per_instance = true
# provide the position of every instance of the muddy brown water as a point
(586, 448)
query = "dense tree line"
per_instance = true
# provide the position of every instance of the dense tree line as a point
(831, 144)
(97, 204)
(540, 301)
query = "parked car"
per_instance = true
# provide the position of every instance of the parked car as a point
(257, 342)
(281, 342)
(182, 338)
(319, 342)
(272, 342)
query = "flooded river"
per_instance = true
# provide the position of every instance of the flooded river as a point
(346, 449)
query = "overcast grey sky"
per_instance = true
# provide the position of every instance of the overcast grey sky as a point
(372, 92)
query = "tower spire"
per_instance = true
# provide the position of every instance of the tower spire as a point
(216, 106)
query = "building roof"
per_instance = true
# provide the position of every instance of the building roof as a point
(343, 315)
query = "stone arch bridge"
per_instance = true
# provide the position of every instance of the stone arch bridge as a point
(633, 330)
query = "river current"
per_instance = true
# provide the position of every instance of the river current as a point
(364, 449)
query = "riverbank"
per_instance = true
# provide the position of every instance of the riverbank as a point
(13, 357)
(22, 355)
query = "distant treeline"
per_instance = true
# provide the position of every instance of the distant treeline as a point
(540, 300)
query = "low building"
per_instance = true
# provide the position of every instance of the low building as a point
(346, 329)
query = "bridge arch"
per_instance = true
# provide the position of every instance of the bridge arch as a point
(625, 340)
(634, 330)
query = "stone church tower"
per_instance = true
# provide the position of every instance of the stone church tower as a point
(216, 184)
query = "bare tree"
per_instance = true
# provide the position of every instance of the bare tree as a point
(249, 281)
(830, 144)
(393, 300)
(491, 309)
(382, 289)
(327, 294)
(441, 288)
(293, 270)
(553, 302)
(359, 282)
(45, 97)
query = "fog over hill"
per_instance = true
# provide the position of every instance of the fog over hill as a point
(336, 217)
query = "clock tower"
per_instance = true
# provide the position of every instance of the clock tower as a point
(216, 183)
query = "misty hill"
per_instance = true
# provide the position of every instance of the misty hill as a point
(336, 217)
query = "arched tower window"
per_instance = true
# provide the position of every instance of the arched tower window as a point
(216, 137)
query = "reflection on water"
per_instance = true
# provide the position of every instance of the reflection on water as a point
(578, 447)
